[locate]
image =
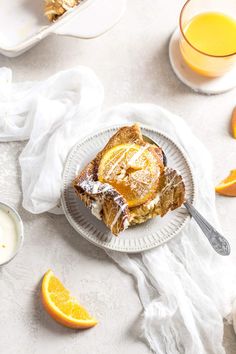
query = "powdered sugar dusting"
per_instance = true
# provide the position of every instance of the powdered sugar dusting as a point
(99, 191)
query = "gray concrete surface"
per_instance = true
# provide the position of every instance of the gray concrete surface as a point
(132, 62)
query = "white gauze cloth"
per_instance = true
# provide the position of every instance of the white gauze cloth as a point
(186, 289)
(52, 114)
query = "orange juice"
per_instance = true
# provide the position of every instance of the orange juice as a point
(212, 34)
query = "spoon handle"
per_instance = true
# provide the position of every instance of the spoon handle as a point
(217, 241)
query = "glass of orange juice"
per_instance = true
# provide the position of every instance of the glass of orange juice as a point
(208, 36)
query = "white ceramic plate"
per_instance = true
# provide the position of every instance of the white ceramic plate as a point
(137, 238)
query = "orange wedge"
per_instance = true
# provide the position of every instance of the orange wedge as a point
(132, 170)
(233, 123)
(61, 306)
(228, 185)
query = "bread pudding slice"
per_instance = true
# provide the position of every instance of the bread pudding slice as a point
(127, 183)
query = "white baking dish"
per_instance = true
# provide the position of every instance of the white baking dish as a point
(23, 24)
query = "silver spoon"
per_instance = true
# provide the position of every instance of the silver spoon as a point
(217, 241)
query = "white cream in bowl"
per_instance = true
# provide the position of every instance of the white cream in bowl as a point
(11, 233)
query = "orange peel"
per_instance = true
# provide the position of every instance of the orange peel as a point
(233, 123)
(227, 187)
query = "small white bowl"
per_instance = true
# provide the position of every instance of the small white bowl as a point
(19, 226)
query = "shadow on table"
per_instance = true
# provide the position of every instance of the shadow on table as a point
(43, 319)
(166, 81)
(229, 339)
(75, 240)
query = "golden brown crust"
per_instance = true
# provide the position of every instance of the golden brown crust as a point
(56, 8)
(169, 197)
(114, 210)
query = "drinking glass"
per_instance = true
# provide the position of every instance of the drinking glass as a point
(203, 63)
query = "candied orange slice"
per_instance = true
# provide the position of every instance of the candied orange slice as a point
(228, 185)
(61, 306)
(132, 170)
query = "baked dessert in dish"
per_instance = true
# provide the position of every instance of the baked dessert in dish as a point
(128, 183)
(56, 8)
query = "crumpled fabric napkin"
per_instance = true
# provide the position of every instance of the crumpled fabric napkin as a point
(52, 115)
(184, 286)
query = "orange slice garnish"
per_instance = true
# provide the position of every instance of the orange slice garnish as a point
(132, 170)
(61, 306)
(228, 185)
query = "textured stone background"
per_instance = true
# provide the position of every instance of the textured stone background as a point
(132, 62)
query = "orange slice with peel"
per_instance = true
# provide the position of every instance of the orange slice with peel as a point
(233, 123)
(227, 187)
(133, 170)
(61, 306)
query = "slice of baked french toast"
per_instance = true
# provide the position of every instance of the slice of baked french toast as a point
(127, 182)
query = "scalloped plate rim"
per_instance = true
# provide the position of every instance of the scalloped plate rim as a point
(106, 245)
